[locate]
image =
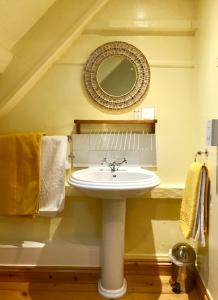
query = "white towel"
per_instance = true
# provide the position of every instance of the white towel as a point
(52, 175)
(198, 229)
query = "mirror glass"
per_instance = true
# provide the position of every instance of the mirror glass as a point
(116, 75)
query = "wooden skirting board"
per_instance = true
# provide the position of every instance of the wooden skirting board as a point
(202, 291)
(80, 274)
(142, 276)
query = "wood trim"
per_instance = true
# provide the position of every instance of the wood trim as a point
(128, 122)
(147, 267)
(201, 289)
(90, 275)
(79, 274)
(115, 121)
(50, 274)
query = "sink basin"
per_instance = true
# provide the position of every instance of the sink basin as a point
(113, 188)
(125, 183)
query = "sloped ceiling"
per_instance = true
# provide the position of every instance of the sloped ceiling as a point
(16, 18)
(41, 45)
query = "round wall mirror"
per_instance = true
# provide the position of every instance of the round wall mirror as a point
(117, 75)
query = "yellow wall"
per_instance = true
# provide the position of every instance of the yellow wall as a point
(207, 95)
(59, 98)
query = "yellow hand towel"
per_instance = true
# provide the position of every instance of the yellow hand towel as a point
(19, 173)
(189, 201)
(206, 203)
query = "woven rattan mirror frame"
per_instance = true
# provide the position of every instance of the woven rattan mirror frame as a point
(140, 64)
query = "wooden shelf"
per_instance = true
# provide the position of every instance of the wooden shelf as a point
(111, 122)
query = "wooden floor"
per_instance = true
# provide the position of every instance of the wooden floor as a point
(139, 288)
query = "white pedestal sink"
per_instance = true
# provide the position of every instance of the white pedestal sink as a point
(113, 188)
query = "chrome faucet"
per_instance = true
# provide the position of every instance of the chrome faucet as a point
(114, 166)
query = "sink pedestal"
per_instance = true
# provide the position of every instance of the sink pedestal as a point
(112, 283)
(101, 183)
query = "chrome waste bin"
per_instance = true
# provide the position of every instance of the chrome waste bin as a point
(183, 258)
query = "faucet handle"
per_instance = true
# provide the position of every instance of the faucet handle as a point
(104, 161)
(124, 160)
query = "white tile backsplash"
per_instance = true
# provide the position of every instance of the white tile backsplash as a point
(81, 158)
(81, 142)
(138, 149)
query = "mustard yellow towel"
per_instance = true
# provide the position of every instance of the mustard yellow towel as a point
(189, 201)
(19, 173)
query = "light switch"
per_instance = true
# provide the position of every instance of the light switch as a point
(212, 132)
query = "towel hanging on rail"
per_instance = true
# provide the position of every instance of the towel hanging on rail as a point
(52, 175)
(19, 173)
(194, 212)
